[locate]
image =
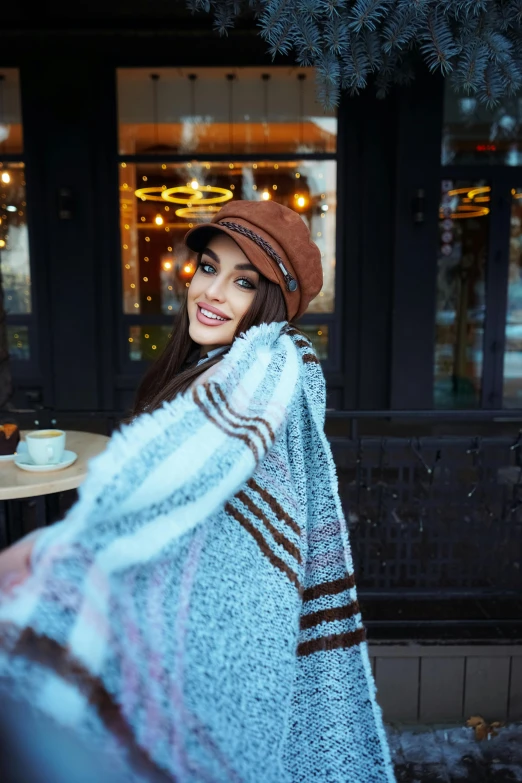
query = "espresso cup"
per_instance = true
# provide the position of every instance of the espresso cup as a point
(45, 447)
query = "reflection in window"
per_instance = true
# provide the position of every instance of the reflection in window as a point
(11, 141)
(159, 202)
(18, 343)
(14, 240)
(513, 334)
(460, 305)
(147, 342)
(184, 111)
(472, 133)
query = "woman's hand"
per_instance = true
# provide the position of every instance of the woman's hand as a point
(15, 563)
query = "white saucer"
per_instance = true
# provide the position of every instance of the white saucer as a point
(24, 462)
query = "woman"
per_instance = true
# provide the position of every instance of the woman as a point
(195, 615)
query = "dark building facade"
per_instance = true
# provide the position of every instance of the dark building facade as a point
(122, 128)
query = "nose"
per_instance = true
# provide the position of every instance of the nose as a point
(216, 289)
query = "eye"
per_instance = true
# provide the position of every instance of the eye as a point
(248, 284)
(206, 268)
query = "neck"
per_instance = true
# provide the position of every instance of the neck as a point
(206, 349)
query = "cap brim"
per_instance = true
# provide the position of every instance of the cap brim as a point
(198, 237)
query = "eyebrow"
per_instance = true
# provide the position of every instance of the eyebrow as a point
(242, 267)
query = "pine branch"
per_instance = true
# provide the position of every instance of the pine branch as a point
(355, 66)
(336, 36)
(373, 50)
(478, 41)
(469, 73)
(307, 40)
(401, 28)
(439, 47)
(313, 9)
(367, 14)
(492, 87)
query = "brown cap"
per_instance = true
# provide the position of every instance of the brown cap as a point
(276, 241)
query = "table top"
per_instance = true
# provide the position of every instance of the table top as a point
(17, 483)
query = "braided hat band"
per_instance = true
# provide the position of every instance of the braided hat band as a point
(291, 282)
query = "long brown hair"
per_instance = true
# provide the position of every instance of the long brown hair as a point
(167, 377)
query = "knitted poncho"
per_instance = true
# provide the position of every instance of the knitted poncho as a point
(195, 616)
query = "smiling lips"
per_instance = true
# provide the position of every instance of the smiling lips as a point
(210, 316)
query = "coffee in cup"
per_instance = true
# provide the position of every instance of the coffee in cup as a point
(45, 447)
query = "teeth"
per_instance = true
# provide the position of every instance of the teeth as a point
(211, 315)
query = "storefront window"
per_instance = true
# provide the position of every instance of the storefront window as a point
(215, 115)
(14, 239)
(186, 111)
(461, 300)
(513, 336)
(475, 134)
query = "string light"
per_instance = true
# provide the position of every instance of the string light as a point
(125, 247)
(2, 242)
(136, 304)
(149, 299)
(167, 265)
(131, 339)
(274, 187)
(194, 184)
(146, 336)
(265, 195)
(133, 285)
(159, 220)
(127, 266)
(145, 279)
(147, 239)
(6, 177)
(145, 258)
(153, 347)
(124, 165)
(169, 249)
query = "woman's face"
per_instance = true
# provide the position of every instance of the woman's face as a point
(220, 293)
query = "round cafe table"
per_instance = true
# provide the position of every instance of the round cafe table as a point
(16, 483)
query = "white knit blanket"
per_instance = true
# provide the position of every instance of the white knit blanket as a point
(195, 616)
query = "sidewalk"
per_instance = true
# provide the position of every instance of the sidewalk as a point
(451, 754)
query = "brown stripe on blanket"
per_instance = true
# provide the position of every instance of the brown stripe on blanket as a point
(246, 418)
(253, 427)
(329, 615)
(309, 358)
(293, 332)
(262, 544)
(303, 343)
(274, 505)
(329, 588)
(249, 442)
(335, 642)
(278, 537)
(50, 654)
